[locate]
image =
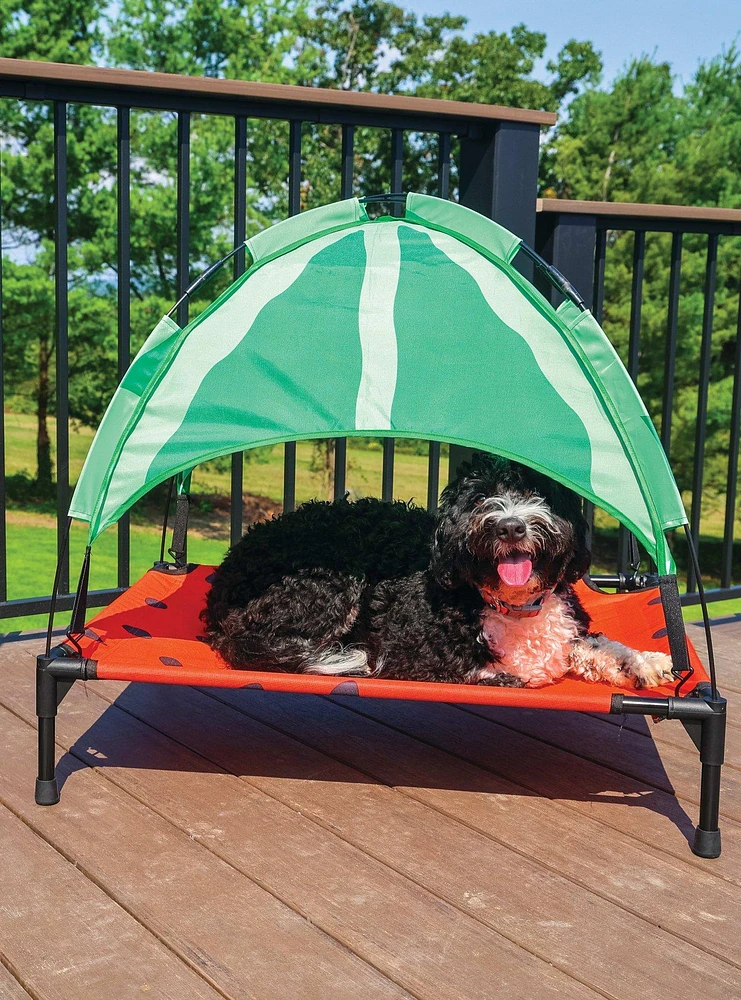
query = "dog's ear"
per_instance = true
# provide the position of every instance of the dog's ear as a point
(449, 553)
(581, 557)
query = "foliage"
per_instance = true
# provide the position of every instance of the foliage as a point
(639, 141)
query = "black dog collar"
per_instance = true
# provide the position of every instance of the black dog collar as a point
(521, 610)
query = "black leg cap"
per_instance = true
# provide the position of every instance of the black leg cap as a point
(47, 792)
(707, 843)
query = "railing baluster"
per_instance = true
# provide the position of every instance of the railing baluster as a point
(634, 350)
(702, 401)
(61, 295)
(443, 165)
(598, 294)
(347, 167)
(397, 163)
(123, 207)
(294, 168)
(240, 192)
(289, 476)
(589, 518)
(240, 221)
(347, 177)
(387, 475)
(670, 357)
(183, 214)
(433, 475)
(443, 191)
(3, 529)
(340, 468)
(726, 572)
(636, 304)
(294, 207)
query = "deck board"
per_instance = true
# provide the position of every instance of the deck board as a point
(653, 817)
(10, 988)
(533, 906)
(600, 859)
(234, 933)
(64, 937)
(285, 845)
(426, 945)
(622, 750)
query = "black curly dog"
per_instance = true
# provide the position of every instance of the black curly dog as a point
(386, 588)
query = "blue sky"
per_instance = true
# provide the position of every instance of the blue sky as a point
(680, 32)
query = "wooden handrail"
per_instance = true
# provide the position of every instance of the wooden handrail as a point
(634, 210)
(29, 72)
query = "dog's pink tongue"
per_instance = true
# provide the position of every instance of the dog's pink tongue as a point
(515, 570)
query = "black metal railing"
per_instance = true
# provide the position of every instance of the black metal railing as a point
(497, 175)
(577, 237)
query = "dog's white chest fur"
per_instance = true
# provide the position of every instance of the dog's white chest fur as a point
(534, 649)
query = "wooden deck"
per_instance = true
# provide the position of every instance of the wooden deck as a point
(252, 845)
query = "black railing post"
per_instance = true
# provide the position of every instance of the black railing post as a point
(574, 245)
(499, 178)
(568, 242)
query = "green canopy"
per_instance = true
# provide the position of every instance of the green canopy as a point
(403, 327)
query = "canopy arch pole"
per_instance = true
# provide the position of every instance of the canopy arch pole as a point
(703, 604)
(210, 271)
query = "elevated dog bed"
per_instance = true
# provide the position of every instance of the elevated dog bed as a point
(153, 633)
(416, 326)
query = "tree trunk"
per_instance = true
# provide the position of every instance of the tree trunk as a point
(610, 162)
(43, 443)
(322, 464)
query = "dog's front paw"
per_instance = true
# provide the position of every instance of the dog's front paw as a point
(650, 669)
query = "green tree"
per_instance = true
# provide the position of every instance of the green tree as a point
(637, 140)
(369, 45)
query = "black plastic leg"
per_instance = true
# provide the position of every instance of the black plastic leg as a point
(47, 791)
(55, 675)
(712, 747)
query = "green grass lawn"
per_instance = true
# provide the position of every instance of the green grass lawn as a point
(263, 476)
(36, 535)
(32, 540)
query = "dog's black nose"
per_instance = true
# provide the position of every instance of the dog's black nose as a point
(511, 529)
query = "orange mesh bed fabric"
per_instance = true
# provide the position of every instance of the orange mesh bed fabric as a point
(153, 633)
